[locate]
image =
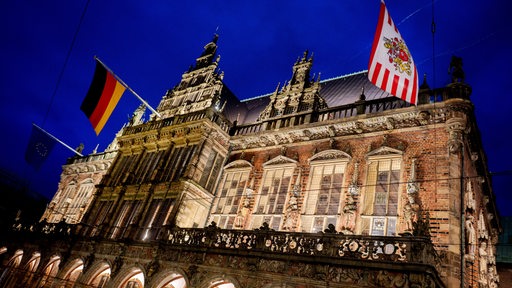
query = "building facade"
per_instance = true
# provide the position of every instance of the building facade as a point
(318, 184)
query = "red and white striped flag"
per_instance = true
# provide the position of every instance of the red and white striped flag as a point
(391, 67)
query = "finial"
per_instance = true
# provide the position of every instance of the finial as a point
(424, 85)
(305, 56)
(277, 88)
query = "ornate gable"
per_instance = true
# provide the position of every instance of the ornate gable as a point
(300, 94)
(280, 160)
(200, 87)
(330, 154)
(238, 164)
(385, 151)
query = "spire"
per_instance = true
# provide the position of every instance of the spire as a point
(208, 54)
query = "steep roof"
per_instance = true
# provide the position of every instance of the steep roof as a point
(336, 91)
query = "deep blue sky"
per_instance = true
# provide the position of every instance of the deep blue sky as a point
(150, 44)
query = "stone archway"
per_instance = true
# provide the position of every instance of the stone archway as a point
(50, 271)
(29, 270)
(97, 275)
(170, 279)
(70, 273)
(220, 282)
(131, 277)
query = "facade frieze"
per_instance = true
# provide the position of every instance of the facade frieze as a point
(410, 119)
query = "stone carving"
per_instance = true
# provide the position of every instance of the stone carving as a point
(411, 208)
(280, 160)
(470, 197)
(409, 215)
(482, 229)
(329, 154)
(292, 213)
(483, 257)
(471, 237)
(244, 212)
(403, 120)
(412, 185)
(455, 126)
(350, 208)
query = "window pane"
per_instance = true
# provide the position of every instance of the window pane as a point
(391, 227)
(378, 226)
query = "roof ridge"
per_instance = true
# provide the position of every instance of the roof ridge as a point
(344, 76)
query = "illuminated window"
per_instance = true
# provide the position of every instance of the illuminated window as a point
(272, 195)
(231, 190)
(380, 206)
(325, 189)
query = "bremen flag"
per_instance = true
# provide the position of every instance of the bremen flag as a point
(391, 67)
(104, 93)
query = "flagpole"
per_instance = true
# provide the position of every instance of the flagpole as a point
(128, 87)
(56, 139)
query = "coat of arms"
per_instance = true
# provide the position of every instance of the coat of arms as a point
(398, 54)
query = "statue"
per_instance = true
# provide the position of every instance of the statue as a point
(470, 199)
(80, 148)
(409, 217)
(456, 69)
(471, 235)
(483, 262)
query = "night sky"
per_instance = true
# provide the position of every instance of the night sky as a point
(149, 44)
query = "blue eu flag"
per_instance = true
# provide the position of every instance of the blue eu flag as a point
(39, 147)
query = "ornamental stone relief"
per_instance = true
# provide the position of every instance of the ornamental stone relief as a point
(375, 124)
(330, 154)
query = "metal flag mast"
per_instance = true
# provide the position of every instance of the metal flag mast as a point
(128, 87)
(58, 140)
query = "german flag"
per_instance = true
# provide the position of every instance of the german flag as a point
(104, 93)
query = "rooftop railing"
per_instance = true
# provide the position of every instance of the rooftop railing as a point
(339, 112)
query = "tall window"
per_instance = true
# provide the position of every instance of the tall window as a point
(211, 170)
(98, 216)
(231, 191)
(127, 216)
(80, 201)
(158, 215)
(323, 195)
(271, 200)
(380, 206)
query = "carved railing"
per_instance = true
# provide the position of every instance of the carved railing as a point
(353, 247)
(326, 246)
(344, 111)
